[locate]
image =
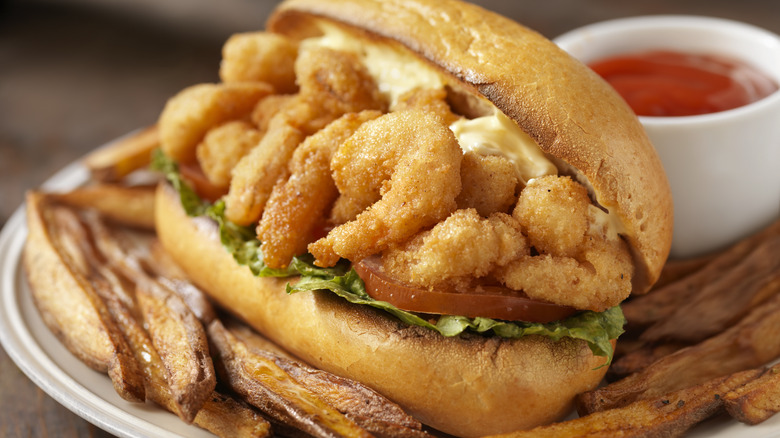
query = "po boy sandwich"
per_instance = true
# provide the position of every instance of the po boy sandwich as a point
(422, 196)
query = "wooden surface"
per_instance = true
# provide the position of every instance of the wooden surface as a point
(76, 74)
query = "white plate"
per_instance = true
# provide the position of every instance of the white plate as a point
(46, 362)
(90, 395)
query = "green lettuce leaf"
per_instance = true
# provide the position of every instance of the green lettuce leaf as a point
(597, 329)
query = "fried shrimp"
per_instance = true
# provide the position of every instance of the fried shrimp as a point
(267, 108)
(223, 147)
(332, 84)
(195, 110)
(463, 245)
(260, 57)
(299, 204)
(578, 264)
(431, 100)
(402, 171)
(256, 173)
(489, 183)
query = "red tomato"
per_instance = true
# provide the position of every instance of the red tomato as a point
(489, 301)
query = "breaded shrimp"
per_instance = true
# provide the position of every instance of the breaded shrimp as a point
(332, 84)
(267, 108)
(256, 173)
(431, 100)
(260, 57)
(223, 147)
(554, 212)
(195, 110)
(577, 265)
(403, 169)
(299, 204)
(463, 245)
(489, 183)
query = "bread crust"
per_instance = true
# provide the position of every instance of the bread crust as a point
(537, 85)
(466, 386)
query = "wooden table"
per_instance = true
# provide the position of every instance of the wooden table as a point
(76, 75)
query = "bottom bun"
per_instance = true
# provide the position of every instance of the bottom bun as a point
(466, 386)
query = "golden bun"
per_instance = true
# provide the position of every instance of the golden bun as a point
(466, 386)
(576, 118)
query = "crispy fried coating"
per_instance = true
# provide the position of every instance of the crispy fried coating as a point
(298, 205)
(260, 57)
(223, 147)
(464, 244)
(332, 83)
(554, 212)
(489, 183)
(256, 173)
(403, 169)
(577, 264)
(426, 99)
(267, 108)
(195, 110)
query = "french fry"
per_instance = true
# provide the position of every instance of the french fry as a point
(132, 206)
(119, 159)
(721, 303)
(648, 309)
(363, 405)
(750, 343)
(677, 269)
(227, 417)
(181, 342)
(640, 359)
(67, 301)
(266, 386)
(669, 415)
(757, 401)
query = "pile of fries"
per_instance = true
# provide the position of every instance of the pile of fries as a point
(696, 346)
(110, 293)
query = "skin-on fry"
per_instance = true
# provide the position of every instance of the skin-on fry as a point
(366, 407)
(68, 302)
(119, 159)
(265, 385)
(639, 359)
(750, 343)
(666, 416)
(181, 342)
(648, 309)
(132, 206)
(757, 401)
(721, 303)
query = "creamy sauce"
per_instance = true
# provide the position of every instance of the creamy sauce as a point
(497, 134)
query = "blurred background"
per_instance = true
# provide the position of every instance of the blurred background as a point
(75, 74)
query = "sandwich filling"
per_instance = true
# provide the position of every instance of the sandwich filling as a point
(380, 164)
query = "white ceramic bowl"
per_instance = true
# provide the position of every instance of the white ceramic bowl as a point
(724, 168)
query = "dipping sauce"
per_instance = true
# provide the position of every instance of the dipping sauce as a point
(668, 83)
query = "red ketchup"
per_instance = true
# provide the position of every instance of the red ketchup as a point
(667, 83)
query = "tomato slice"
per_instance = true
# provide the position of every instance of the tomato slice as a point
(490, 301)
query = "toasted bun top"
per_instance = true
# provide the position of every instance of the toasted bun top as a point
(576, 118)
